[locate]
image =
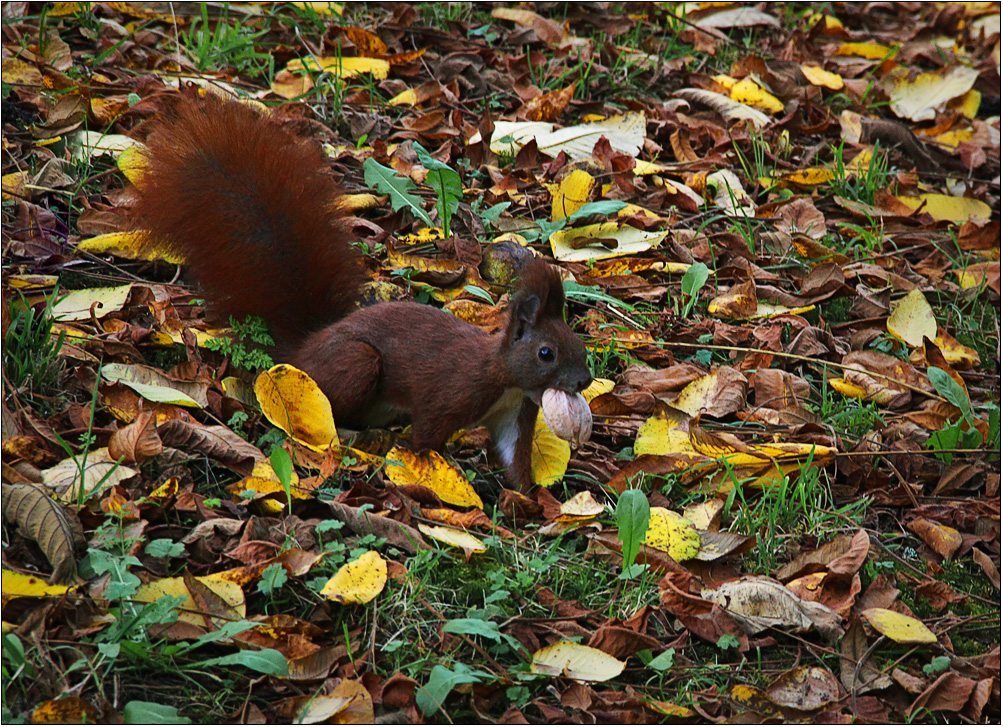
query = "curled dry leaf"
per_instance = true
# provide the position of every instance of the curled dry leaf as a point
(56, 529)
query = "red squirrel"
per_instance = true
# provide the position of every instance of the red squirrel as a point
(254, 211)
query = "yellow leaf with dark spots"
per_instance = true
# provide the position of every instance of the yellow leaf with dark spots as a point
(358, 582)
(293, 402)
(671, 533)
(431, 470)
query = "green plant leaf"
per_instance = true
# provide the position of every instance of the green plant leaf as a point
(693, 280)
(473, 627)
(282, 464)
(266, 661)
(225, 632)
(137, 712)
(480, 293)
(446, 183)
(441, 681)
(662, 662)
(385, 181)
(602, 207)
(632, 514)
(950, 390)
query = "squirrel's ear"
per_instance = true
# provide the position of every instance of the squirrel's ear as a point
(544, 281)
(523, 312)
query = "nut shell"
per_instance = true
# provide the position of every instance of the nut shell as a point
(567, 415)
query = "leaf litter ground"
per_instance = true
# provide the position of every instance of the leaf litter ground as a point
(779, 228)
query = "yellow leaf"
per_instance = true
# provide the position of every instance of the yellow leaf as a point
(229, 593)
(898, 627)
(871, 51)
(321, 7)
(598, 387)
(967, 104)
(819, 77)
(671, 533)
(729, 108)
(772, 310)
(404, 98)
(454, 537)
(133, 163)
(550, 454)
(956, 353)
(955, 136)
(572, 194)
(666, 432)
(808, 177)
(431, 470)
(750, 93)
(14, 185)
(348, 703)
(912, 320)
(16, 585)
(852, 391)
(947, 207)
(360, 581)
(293, 402)
(344, 67)
(566, 658)
(129, 245)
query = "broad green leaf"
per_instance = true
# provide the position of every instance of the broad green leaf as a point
(137, 712)
(947, 387)
(441, 681)
(266, 661)
(385, 181)
(473, 627)
(601, 207)
(282, 465)
(693, 280)
(665, 660)
(632, 514)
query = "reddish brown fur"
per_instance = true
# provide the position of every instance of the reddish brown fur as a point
(250, 207)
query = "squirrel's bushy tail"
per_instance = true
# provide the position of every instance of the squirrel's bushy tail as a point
(253, 210)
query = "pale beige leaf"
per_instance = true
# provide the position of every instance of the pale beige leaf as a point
(566, 658)
(77, 304)
(912, 320)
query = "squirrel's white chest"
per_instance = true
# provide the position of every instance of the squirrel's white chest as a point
(502, 420)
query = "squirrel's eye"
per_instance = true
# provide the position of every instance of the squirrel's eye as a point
(546, 354)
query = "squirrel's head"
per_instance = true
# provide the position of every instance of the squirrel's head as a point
(541, 350)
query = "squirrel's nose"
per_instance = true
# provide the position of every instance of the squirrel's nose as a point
(583, 382)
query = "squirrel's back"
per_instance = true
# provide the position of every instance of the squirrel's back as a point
(253, 210)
